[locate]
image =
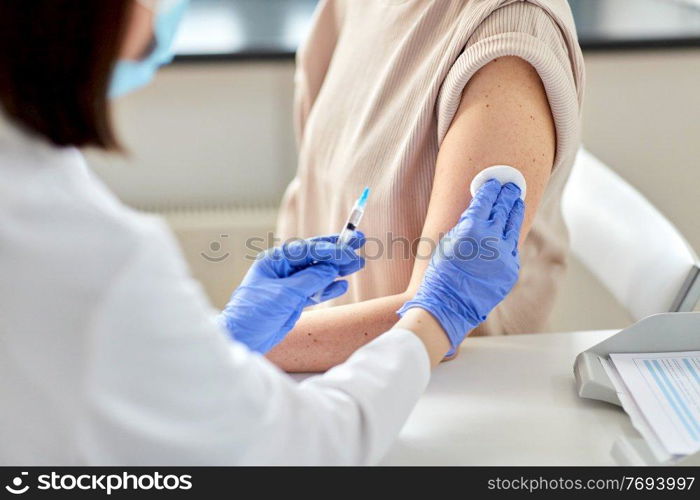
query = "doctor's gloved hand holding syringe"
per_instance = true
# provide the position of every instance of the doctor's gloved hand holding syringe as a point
(282, 282)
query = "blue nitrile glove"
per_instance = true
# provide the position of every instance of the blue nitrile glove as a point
(280, 283)
(476, 263)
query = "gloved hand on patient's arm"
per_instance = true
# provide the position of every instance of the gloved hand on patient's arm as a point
(280, 284)
(475, 265)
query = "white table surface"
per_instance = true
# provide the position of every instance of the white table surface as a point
(511, 401)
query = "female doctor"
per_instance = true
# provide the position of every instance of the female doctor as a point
(109, 351)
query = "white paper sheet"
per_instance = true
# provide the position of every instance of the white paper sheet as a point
(637, 418)
(666, 389)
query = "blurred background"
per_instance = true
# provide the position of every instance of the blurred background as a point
(212, 143)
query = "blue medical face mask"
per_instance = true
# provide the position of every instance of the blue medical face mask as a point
(132, 75)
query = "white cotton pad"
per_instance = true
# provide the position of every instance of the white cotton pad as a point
(503, 174)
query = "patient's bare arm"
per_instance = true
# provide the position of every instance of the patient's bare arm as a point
(504, 118)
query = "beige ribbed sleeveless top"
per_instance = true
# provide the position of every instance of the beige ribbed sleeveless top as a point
(378, 84)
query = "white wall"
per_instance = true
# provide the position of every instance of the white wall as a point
(206, 135)
(221, 134)
(642, 116)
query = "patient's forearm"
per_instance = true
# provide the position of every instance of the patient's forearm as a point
(326, 337)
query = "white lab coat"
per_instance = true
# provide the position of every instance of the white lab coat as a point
(109, 353)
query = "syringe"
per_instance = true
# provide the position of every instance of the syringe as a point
(346, 234)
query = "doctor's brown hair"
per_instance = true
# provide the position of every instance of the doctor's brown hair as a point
(56, 61)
